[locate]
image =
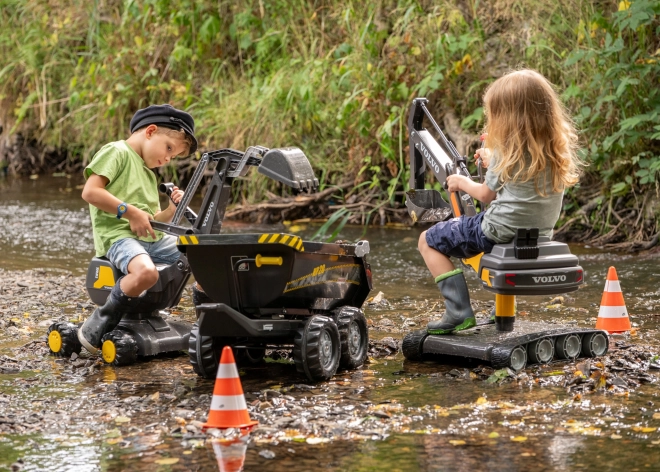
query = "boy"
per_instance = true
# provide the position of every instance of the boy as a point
(122, 193)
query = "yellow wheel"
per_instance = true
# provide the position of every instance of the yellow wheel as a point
(118, 348)
(55, 341)
(109, 351)
(63, 339)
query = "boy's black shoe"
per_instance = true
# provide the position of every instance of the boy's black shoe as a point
(105, 318)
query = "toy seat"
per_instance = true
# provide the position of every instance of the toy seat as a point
(529, 265)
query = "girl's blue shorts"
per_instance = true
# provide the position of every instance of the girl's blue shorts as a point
(460, 237)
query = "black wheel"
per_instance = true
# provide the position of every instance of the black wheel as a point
(353, 336)
(203, 353)
(250, 356)
(594, 344)
(412, 345)
(316, 348)
(118, 348)
(63, 339)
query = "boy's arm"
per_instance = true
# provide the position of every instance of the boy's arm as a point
(95, 194)
(479, 191)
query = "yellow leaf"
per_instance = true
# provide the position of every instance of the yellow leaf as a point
(481, 401)
(457, 442)
(519, 438)
(624, 5)
(167, 461)
(615, 436)
(187, 452)
(649, 430)
(26, 314)
(115, 440)
(494, 435)
(122, 419)
(656, 416)
(138, 41)
(415, 51)
(108, 99)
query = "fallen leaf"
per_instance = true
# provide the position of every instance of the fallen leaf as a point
(456, 442)
(494, 435)
(167, 461)
(615, 436)
(122, 419)
(519, 438)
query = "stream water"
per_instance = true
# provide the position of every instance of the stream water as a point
(449, 419)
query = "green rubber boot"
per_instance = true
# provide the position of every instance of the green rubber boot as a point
(458, 311)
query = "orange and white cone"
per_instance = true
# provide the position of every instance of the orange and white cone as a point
(228, 407)
(613, 315)
(230, 454)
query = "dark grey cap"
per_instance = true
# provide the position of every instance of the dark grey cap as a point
(167, 116)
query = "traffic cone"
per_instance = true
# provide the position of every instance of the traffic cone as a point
(230, 454)
(613, 315)
(228, 407)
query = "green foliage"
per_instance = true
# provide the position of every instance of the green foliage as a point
(334, 78)
(617, 67)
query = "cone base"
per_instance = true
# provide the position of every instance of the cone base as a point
(614, 325)
(248, 425)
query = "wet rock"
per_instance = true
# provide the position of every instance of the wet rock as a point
(267, 454)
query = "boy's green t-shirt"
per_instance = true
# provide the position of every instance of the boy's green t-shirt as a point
(131, 181)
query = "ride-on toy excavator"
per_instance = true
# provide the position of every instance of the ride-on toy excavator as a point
(529, 265)
(263, 290)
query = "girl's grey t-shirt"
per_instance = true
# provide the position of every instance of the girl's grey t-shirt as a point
(519, 206)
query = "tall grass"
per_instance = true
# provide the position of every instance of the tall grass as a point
(334, 78)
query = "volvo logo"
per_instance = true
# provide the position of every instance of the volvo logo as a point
(208, 214)
(429, 158)
(549, 279)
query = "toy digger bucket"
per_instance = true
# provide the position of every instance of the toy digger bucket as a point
(427, 206)
(290, 167)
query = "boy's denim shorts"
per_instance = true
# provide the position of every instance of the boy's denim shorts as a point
(122, 252)
(460, 237)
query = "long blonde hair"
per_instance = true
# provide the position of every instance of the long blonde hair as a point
(531, 130)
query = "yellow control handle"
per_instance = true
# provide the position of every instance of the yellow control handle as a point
(261, 260)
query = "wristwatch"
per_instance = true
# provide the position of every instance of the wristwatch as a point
(121, 209)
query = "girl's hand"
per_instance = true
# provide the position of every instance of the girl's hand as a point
(483, 154)
(454, 182)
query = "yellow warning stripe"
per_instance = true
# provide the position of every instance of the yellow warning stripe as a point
(286, 239)
(183, 240)
(194, 239)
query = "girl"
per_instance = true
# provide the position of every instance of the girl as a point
(531, 158)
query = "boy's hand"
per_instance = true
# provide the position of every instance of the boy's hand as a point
(454, 182)
(139, 221)
(176, 196)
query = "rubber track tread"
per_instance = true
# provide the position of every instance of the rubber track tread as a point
(412, 345)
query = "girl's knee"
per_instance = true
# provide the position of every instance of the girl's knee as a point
(422, 245)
